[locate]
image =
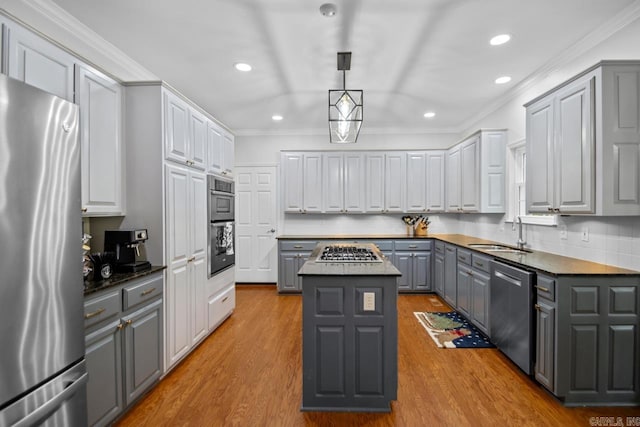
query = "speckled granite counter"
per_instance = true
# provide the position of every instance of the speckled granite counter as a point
(546, 262)
(117, 279)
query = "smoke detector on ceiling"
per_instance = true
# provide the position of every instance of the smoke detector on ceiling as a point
(328, 10)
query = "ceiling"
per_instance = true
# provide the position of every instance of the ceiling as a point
(409, 56)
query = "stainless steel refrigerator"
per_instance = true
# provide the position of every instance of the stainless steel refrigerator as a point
(42, 369)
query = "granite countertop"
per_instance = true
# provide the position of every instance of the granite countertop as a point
(93, 286)
(544, 262)
(313, 268)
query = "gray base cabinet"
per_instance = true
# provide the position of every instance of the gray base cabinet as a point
(438, 269)
(349, 354)
(480, 292)
(412, 257)
(588, 338)
(124, 344)
(450, 275)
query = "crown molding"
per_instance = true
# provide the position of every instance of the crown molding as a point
(325, 131)
(625, 17)
(81, 39)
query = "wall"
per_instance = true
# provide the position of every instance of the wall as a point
(612, 240)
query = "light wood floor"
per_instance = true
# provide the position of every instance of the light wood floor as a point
(248, 373)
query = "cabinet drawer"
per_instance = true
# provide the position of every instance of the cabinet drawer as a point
(439, 247)
(383, 245)
(413, 245)
(141, 291)
(221, 306)
(101, 307)
(546, 287)
(464, 256)
(480, 262)
(307, 245)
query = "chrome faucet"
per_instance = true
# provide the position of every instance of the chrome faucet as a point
(521, 241)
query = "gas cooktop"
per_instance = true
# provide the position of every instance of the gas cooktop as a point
(347, 253)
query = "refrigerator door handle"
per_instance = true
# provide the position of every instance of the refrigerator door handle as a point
(54, 403)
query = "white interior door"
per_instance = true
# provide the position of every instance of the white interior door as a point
(256, 220)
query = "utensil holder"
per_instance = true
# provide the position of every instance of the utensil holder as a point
(410, 230)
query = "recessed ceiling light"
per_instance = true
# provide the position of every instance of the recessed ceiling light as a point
(429, 114)
(241, 66)
(328, 10)
(276, 117)
(503, 80)
(500, 39)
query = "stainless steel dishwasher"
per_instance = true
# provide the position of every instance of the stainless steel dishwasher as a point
(511, 308)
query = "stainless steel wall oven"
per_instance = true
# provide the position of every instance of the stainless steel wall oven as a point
(221, 224)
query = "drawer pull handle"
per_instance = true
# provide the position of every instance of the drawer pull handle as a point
(95, 313)
(537, 307)
(413, 246)
(193, 258)
(462, 258)
(542, 288)
(449, 250)
(297, 246)
(147, 292)
(224, 299)
(479, 264)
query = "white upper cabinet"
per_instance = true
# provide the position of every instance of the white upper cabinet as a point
(100, 100)
(301, 182)
(214, 148)
(374, 182)
(395, 182)
(198, 139)
(476, 173)
(583, 143)
(37, 62)
(192, 139)
(453, 180)
(417, 181)
(220, 150)
(354, 188)
(176, 116)
(333, 182)
(435, 167)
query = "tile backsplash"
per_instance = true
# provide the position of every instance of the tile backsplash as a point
(611, 240)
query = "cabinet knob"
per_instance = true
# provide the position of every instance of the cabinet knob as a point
(537, 307)
(120, 326)
(84, 210)
(557, 210)
(129, 322)
(550, 209)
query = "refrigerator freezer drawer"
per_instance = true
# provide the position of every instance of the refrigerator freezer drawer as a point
(59, 402)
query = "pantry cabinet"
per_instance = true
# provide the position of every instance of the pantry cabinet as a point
(186, 195)
(38, 62)
(174, 211)
(583, 144)
(100, 103)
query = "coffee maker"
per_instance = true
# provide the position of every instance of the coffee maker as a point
(125, 245)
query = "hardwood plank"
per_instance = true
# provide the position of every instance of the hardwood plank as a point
(249, 373)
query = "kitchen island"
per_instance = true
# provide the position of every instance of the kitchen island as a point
(349, 332)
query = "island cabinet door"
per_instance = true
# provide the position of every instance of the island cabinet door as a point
(349, 342)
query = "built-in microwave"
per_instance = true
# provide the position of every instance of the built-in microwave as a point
(221, 198)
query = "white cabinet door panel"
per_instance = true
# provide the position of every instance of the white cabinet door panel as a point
(312, 182)
(470, 175)
(395, 182)
(540, 171)
(453, 180)
(416, 182)
(292, 181)
(333, 181)
(177, 128)
(198, 211)
(200, 299)
(177, 199)
(374, 182)
(198, 140)
(354, 188)
(214, 148)
(435, 181)
(100, 100)
(228, 154)
(38, 62)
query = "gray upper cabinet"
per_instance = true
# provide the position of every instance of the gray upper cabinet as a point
(583, 143)
(36, 61)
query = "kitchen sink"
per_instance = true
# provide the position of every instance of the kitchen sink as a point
(490, 247)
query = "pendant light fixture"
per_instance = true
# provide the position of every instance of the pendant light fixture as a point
(345, 107)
